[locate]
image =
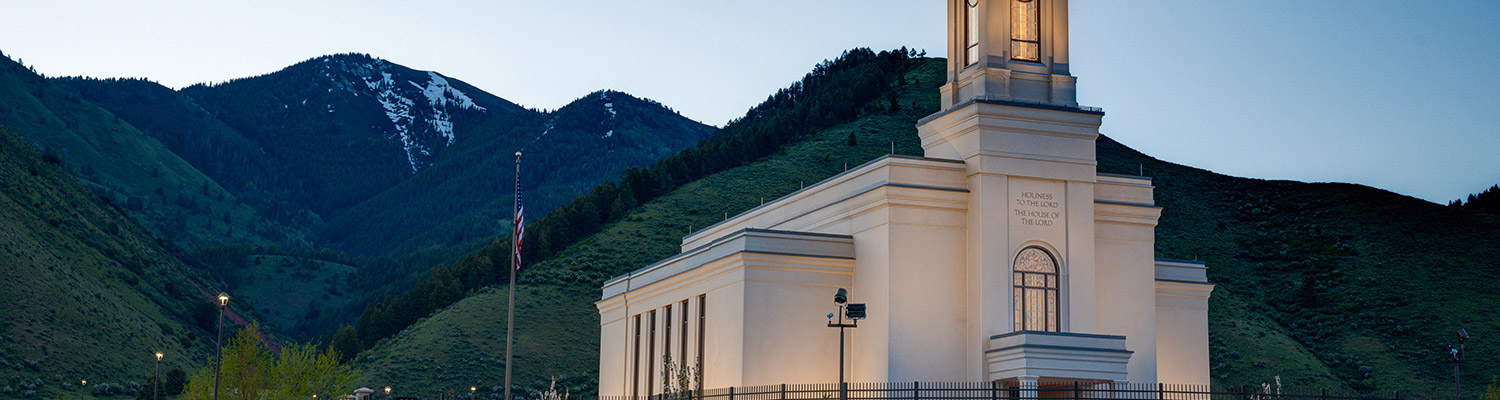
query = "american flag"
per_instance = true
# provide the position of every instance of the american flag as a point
(520, 224)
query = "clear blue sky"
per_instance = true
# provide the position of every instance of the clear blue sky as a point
(1399, 95)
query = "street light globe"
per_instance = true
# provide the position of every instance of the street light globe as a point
(83, 383)
(387, 390)
(158, 356)
(223, 299)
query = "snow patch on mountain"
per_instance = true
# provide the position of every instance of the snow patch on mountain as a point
(420, 131)
(398, 110)
(439, 92)
(439, 95)
(551, 122)
(609, 105)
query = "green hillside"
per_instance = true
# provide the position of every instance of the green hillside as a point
(164, 193)
(234, 162)
(89, 293)
(1323, 285)
(286, 291)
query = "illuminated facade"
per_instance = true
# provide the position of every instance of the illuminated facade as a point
(1002, 255)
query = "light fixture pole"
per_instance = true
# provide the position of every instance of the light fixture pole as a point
(81, 384)
(156, 390)
(1458, 358)
(855, 312)
(219, 356)
(387, 393)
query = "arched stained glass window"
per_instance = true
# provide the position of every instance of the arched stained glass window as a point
(1035, 291)
(1025, 41)
(971, 31)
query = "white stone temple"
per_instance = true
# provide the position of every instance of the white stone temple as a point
(1002, 255)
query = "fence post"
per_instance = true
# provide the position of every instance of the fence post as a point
(1244, 395)
(994, 390)
(783, 391)
(915, 394)
(731, 393)
(843, 391)
(1323, 394)
(1159, 388)
(1075, 390)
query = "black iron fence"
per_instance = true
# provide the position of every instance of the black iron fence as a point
(1009, 391)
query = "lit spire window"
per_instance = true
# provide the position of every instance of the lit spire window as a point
(971, 31)
(1025, 42)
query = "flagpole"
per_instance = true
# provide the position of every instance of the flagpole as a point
(515, 251)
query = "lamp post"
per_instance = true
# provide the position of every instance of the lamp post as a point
(81, 384)
(388, 393)
(1458, 357)
(855, 312)
(472, 391)
(219, 356)
(156, 390)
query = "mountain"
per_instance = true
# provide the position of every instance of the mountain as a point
(165, 193)
(330, 119)
(1320, 285)
(90, 294)
(468, 189)
(328, 177)
(368, 156)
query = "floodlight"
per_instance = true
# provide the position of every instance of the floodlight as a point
(1462, 335)
(841, 297)
(855, 311)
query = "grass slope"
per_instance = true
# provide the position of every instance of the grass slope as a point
(88, 293)
(1325, 285)
(287, 290)
(165, 193)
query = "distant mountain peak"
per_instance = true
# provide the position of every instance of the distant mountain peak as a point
(418, 104)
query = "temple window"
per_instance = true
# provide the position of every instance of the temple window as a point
(1035, 291)
(1025, 42)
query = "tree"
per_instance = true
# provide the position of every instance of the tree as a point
(172, 383)
(678, 382)
(250, 371)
